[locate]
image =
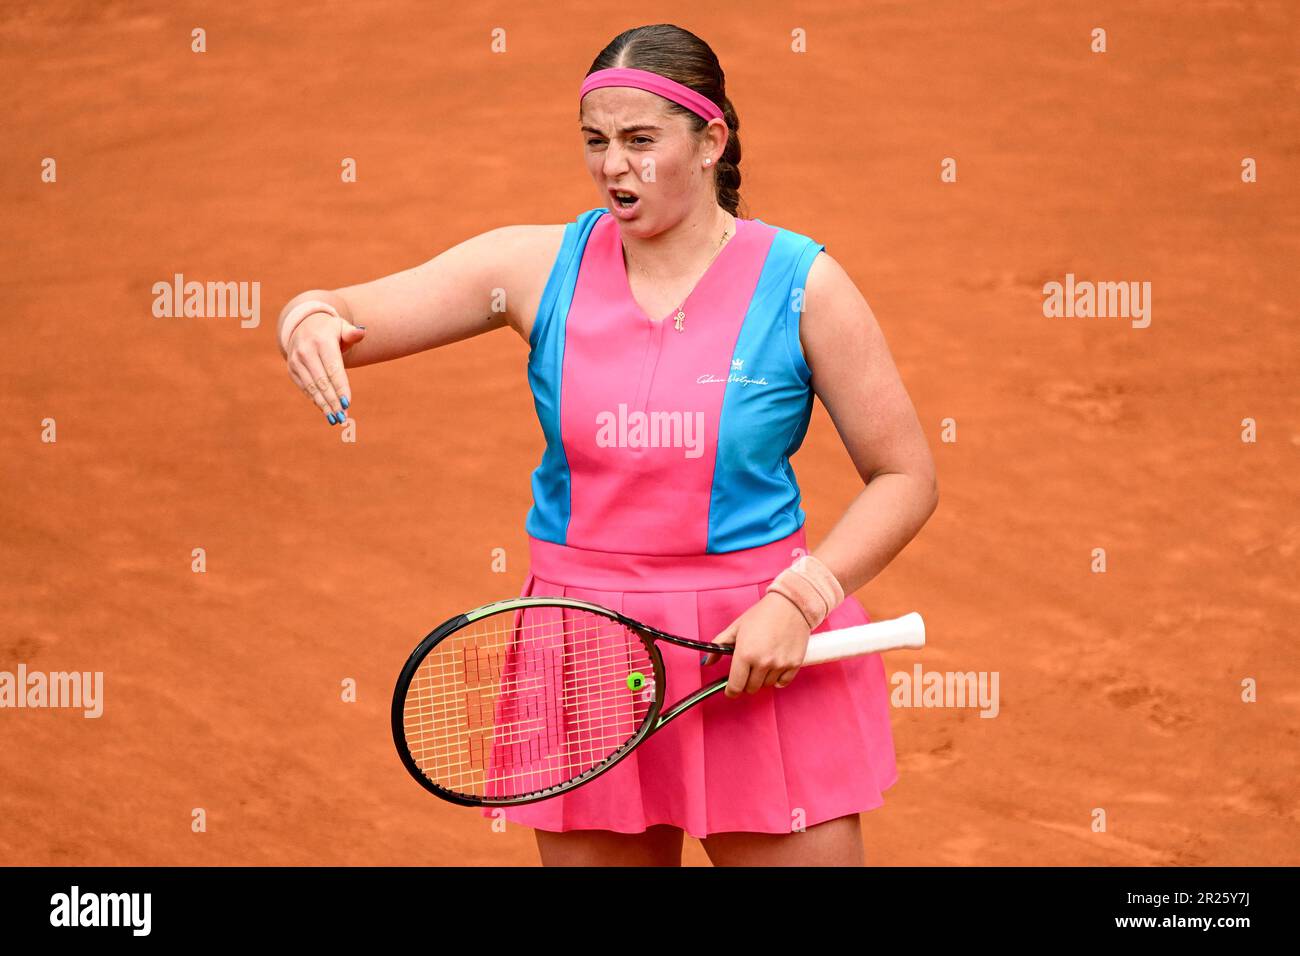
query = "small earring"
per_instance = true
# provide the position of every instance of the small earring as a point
(708, 162)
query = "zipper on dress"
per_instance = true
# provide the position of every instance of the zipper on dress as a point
(654, 348)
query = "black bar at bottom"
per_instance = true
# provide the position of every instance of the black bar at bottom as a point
(975, 905)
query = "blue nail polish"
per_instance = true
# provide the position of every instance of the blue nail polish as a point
(703, 658)
(343, 416)
(343, 400)
(332, 419)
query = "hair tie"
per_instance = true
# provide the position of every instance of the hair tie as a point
(297, 314)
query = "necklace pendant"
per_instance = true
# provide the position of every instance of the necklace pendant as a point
(678, 320)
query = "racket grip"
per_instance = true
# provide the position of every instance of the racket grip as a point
(894, 634)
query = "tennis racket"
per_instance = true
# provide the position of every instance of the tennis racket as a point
(524, 699)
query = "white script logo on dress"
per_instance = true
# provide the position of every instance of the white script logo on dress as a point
(737, 365)
(654, 430)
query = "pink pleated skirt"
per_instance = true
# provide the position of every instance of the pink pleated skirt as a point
(772, 762)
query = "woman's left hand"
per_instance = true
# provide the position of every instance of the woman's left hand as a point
(770, 639)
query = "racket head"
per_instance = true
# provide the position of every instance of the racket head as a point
(523, 699)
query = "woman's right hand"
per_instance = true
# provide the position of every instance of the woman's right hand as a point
(315, 357)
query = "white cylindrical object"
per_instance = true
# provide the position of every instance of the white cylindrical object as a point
(894, 634)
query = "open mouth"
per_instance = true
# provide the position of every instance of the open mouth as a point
(624, 198)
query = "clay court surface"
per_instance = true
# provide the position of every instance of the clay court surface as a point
(1119, 691)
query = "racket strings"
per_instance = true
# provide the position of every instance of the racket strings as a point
(583, 745)
(525, 700)
(431, 680)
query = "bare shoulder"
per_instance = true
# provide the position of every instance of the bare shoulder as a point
(834, 308)
(838, 332)
(524, 255)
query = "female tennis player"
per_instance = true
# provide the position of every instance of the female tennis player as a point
(675, 348)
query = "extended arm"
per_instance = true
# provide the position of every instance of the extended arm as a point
(481, 284)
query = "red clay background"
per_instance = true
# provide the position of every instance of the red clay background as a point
(328, 561)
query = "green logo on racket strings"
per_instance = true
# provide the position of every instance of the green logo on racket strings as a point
(636, 681)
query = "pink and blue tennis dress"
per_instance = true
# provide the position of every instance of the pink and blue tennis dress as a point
(685, 534)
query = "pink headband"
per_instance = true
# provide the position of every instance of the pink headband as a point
(653, 83)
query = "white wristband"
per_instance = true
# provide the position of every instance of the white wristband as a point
(297, 314)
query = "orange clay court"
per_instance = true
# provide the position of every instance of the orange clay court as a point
(1120, 691)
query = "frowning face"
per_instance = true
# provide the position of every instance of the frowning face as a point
(646, 160)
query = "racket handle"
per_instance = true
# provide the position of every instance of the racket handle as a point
(894, 634)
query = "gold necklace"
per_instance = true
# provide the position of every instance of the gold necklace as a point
(679, 319)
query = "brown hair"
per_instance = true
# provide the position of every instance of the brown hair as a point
(682, 56)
